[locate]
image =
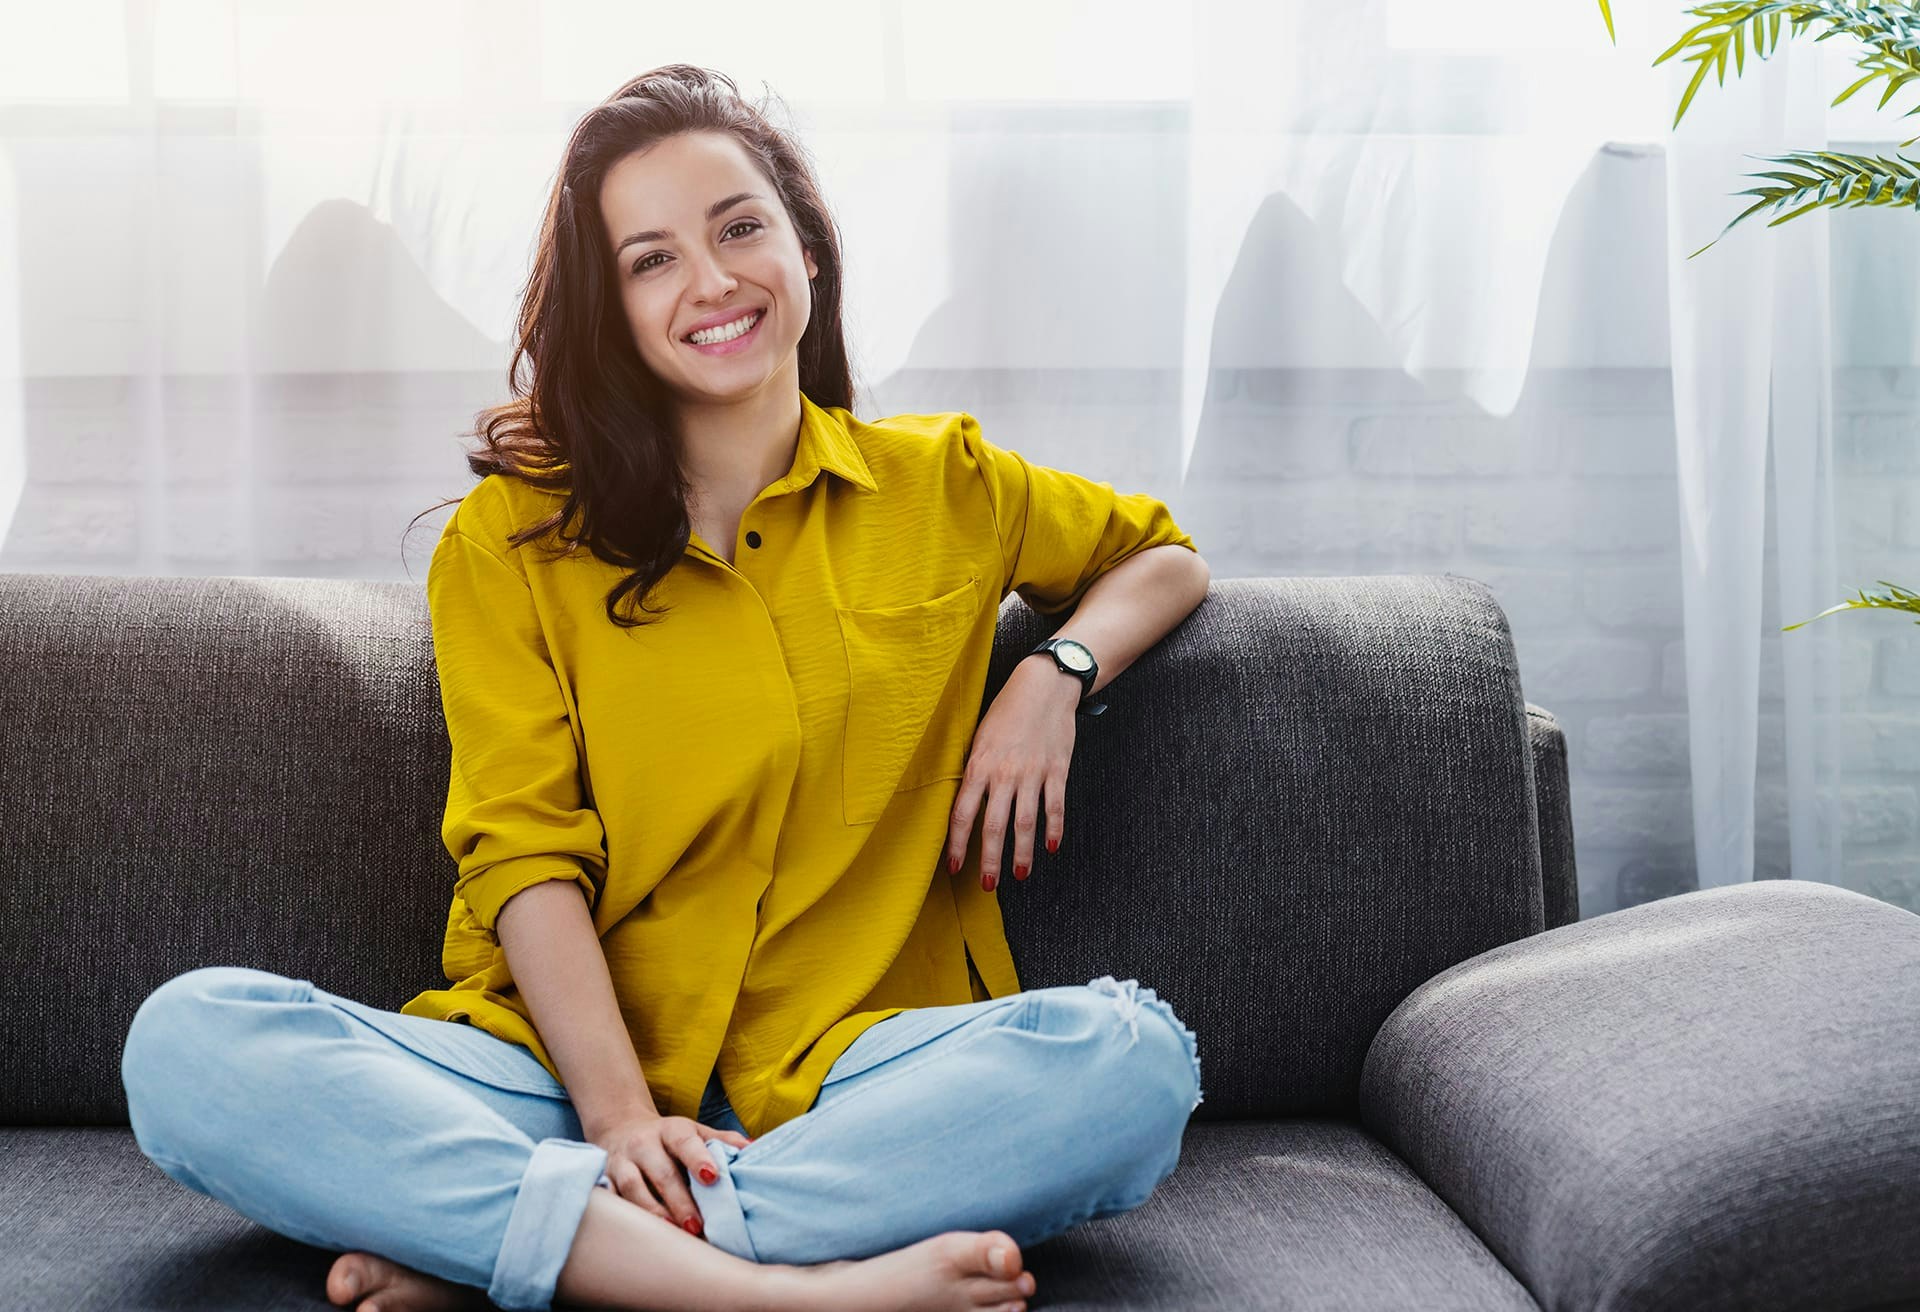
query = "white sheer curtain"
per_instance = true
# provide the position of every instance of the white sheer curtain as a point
(1752, 361)
(1441, 197)
(1385, 286)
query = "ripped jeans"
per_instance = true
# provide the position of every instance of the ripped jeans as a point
(455, 1153)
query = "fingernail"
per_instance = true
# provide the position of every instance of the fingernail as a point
(692, 1225)
(1053, 845)
(708, 1175)
(1019, 872)
(988, 882)
(953, 865)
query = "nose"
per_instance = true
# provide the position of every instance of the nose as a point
(709, 281)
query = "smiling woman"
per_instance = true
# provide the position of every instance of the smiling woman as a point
(702, 886)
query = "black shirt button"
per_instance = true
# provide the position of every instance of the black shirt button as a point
(753, 539)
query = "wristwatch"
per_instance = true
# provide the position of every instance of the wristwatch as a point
(1075, 659)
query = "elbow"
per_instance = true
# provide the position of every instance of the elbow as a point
(1202, 577)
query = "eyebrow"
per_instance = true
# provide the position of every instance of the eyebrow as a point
(714, 211)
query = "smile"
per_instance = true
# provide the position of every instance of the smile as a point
(730, 337)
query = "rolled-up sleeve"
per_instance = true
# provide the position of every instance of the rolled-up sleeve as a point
(1059, 532)
(516, 812)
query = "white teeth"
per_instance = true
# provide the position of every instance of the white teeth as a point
(727, 332)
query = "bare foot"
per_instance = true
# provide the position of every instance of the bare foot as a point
(959, 1271)
(386, 1286)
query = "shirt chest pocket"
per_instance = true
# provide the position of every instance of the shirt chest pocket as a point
(899, 659)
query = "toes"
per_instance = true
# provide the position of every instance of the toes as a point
(990, 1295)
(348, 1278)
(1000, 1255)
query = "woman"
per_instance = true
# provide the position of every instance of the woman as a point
(710, 861)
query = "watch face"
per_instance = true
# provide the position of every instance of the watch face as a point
(1074, 655)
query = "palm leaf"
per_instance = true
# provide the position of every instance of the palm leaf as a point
(1831, 178)
(1890, 31)
(1897, 598)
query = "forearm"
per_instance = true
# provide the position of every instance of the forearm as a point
(1131, 607)
(560, 969)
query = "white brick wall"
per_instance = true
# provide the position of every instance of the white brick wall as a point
(294, 474)
(1567, 509)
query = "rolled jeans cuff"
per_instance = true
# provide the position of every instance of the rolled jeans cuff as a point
(723, 1217)
(560, 1176)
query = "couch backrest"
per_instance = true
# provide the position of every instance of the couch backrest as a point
(1312, 796)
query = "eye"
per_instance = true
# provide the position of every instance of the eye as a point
(751, 225)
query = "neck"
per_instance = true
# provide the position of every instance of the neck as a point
(730, 453)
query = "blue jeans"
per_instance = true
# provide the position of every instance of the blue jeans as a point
(443, 1148)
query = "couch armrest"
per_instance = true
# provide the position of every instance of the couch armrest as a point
(1708, 1101)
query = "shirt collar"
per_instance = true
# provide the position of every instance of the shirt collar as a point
(825, 444)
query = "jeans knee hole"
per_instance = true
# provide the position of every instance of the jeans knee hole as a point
(1128, 1000)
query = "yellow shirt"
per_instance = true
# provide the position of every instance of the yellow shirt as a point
(753, 792)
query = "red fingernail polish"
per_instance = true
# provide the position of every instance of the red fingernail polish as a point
(953, 865)
(988, 881)
(1019, 872)
(692, 1225)
(1053, 845)
(708, 1175)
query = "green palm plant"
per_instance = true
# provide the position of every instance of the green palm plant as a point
(1890, 31)
(1897, 598)
(1891, 34)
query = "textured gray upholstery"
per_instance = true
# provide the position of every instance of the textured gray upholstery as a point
(1554, 807)
(1709, 1102)
(1315, 796)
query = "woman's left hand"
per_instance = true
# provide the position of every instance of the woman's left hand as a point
(1019, 758)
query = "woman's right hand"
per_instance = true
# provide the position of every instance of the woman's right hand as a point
(646, 1157)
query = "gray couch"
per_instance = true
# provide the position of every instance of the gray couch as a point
(1319, 818)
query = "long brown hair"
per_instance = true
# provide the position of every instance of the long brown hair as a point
(589, 418)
